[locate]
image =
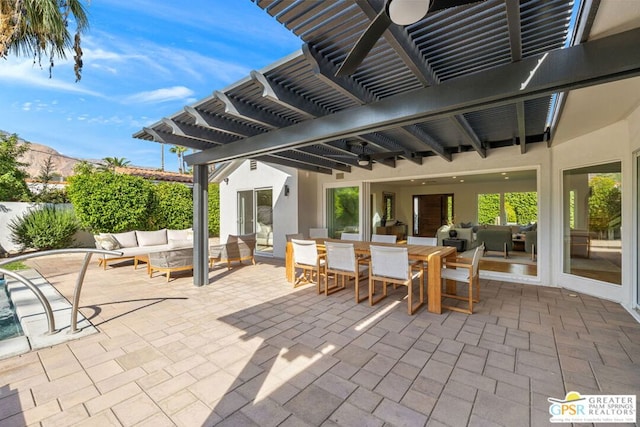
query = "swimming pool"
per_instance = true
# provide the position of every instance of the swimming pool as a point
(9, 324)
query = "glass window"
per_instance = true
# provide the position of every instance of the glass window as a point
(343, 210)
(489, 208)
(593, 222)
(521, 207)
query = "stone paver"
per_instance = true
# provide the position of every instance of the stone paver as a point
(249, 350)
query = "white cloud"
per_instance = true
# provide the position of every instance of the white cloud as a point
(160, 95)
(26, 106)
(19, 71)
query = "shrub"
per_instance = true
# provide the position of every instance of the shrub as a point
(13, 186)
(111, 202)
(44, 228)
(174, 206)
(214, 210)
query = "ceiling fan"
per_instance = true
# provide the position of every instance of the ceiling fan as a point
(364, 159)
(397, 12)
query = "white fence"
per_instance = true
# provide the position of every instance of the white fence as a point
(12, 210)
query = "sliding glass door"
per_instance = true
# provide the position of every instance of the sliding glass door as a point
(255, 215)
(593, 222)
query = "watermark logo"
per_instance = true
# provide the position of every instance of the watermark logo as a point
(577, 408)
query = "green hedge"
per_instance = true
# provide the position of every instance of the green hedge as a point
(110, 202)
(174, 206)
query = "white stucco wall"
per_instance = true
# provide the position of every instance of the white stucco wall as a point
(285, 212)
(11, 210)
(606, 145)
(617, 142)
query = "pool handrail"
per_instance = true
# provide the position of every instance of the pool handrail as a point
(79, 281)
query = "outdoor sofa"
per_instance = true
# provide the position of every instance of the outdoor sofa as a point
(137, 244)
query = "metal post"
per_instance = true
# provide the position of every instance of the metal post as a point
(76, 293)
(200, 225)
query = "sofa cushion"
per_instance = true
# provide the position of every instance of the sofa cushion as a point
(106, 241)
(152, 238)
(186, 234)
(180, 243)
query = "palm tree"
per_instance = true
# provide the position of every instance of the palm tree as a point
(110, 163)
(40, 27)
(176, 149)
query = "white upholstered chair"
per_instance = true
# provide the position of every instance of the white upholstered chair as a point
(384, 238)
(464, 270)
(355, 237)
(315, 233)
(390, 265)
(342, 263)
(308, 260)
(424, 241)
(298, 236)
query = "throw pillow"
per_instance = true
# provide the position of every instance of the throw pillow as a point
(126, 239)
(107, 242)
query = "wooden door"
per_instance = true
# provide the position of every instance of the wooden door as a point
(430, 212)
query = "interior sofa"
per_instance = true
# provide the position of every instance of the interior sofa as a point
(237, 248)
(136, 243)
(264, 235)
(496, 239)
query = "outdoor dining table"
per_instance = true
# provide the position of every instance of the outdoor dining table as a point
(434, 256)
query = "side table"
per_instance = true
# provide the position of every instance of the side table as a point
(459, 244)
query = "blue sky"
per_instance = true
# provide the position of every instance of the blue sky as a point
(143, 60)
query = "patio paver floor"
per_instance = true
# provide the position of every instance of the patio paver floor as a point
(250, 350)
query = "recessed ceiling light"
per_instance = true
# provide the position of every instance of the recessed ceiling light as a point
(504, 173)
(462, 180)
(412, 180)
(423, 183)
(453, 177)
(506, 177)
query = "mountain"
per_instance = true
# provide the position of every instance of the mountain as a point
(38, 154)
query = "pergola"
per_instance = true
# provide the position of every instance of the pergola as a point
(475, 77)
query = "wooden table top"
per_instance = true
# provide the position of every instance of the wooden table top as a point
(415, 251)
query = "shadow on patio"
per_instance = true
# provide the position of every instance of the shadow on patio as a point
(250, 350)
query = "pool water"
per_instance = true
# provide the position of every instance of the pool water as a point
(9, 325)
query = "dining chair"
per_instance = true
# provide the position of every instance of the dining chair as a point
(298, 236)
(314, 233)
(463, 270)
(424, 241)
(390, 265)
(384, 238)
(342, 263)
(355, 237)
(307, 258)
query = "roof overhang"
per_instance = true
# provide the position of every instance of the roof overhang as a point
(470, 78)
